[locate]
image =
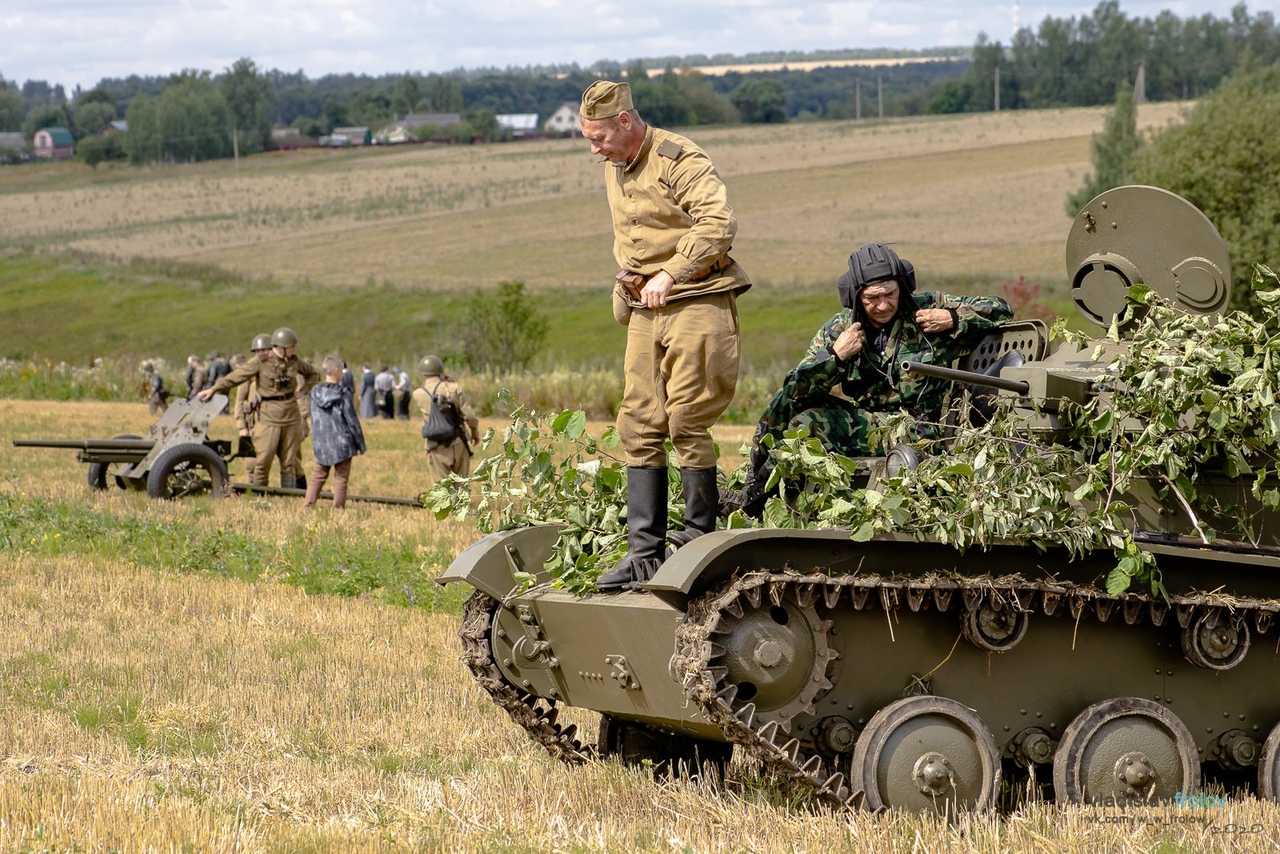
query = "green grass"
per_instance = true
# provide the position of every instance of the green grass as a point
(390, 570)
(77, 308)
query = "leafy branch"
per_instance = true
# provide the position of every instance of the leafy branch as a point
(1183, 399)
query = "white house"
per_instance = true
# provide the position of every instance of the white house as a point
(564, 120)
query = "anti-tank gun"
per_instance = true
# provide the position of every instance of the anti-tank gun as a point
(901, 671)
(178, 458)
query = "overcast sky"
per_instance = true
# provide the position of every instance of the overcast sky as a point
(82, 41)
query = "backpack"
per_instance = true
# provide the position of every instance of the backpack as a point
(442, 421)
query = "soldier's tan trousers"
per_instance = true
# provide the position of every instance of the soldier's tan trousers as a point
(681, 370)
(443, 459)
(272, 441)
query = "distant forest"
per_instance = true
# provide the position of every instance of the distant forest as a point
(1062, 62)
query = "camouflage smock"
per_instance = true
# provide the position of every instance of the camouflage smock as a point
(872, 382)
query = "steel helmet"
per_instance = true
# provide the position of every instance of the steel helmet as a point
(261, 341)
(431, 366)
(284, 337)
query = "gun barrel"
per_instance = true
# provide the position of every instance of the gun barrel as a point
(143, 445)
(967, 377)
(256, 489)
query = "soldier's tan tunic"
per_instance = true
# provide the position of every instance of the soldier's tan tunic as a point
(278, 430)
(670, 212)
(455, 457)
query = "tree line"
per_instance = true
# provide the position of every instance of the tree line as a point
(196, 115)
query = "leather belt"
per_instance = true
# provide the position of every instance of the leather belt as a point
(283, 397)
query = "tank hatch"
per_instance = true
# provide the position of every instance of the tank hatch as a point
(1137, 234)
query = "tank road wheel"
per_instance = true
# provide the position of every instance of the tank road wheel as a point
(187, 469)
(1269, 767)
(1125, 750)
(927, 754)
(636, 744)
(103, 475)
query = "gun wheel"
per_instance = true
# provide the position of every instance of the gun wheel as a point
(188, 469)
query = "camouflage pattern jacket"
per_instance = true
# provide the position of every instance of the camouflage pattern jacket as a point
(873, 381)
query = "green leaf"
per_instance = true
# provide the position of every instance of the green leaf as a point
(1117, 581)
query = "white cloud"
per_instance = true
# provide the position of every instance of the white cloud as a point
(81, 41)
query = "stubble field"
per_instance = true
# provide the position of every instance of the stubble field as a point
(161, 698)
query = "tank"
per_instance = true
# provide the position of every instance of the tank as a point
(905, 674)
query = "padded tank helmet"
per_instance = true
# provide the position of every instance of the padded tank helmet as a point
(284, 337)
(874, 262)
(261, 341)
(430, 366)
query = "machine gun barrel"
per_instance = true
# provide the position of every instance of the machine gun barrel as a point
(967, 377)
(141, 445)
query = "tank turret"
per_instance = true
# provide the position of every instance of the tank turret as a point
(900, 671)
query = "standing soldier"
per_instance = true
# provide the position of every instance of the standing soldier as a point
(157, 395)
(196, 377)
(452, 456)
(246, 409)
(676, 293)
(279, 419)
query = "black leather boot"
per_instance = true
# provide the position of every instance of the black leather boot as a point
(646, 529)
(701, 499)
(751, 498)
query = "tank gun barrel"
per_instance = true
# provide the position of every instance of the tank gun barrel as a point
(969, 377)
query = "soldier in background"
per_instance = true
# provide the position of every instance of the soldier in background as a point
(157, 395)
(246, 408)
(218, 367)
(860, 350)
(196, 376)
(454, 457)
(279, 417)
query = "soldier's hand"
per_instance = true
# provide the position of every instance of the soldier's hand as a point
(934, 319)
(204, 395)
(850, 342)
(654, 293)
(475, 439)
(244, 432)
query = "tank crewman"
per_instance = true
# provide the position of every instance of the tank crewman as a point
(676, 292)
(279, 419)
(246, 408)
(861, 349)
(446, 457)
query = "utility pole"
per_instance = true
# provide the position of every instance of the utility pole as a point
(857, 97)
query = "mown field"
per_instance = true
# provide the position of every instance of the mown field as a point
(241, 675)
(369, 252)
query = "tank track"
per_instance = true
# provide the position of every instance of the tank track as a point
(536, 715)
(704, 680)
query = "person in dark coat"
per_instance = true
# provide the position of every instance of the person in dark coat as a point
(336, 433)
(368, 398)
